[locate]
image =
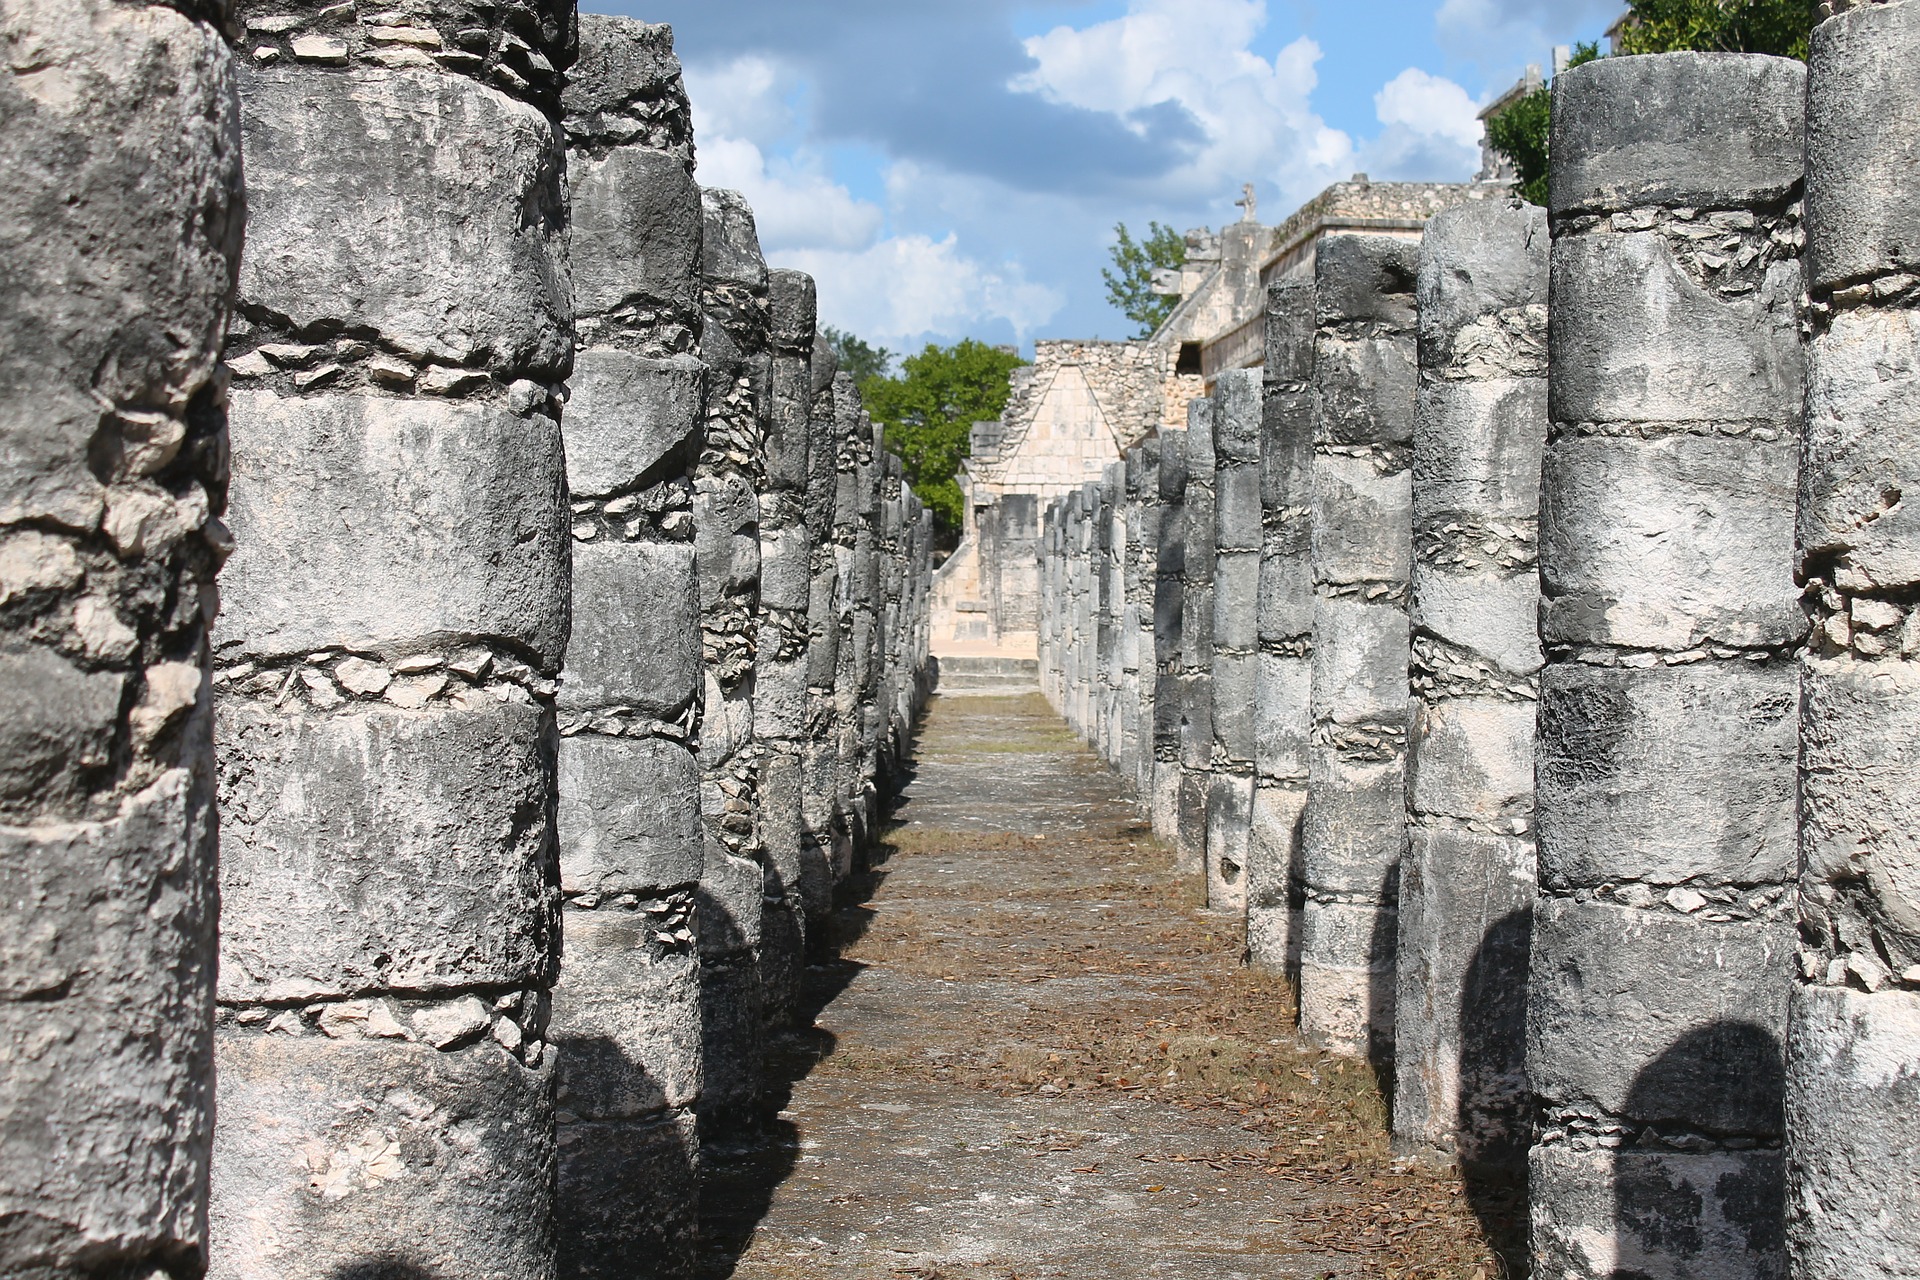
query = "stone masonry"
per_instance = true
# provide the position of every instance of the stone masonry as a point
(120, 230)
(1663, 935)
(1355, 821)
(627, 1014)
(1853, 1038)
(1281, 702)
(1196, 642)
(1467, 885)
(1234, 673)
(1169, 611)
(395, 615)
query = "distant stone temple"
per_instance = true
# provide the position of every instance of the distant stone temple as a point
(1081, 404)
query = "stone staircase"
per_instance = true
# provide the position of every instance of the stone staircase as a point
(1002, 677)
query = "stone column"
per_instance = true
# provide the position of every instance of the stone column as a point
(824, 819)
(1110, 529)
(1196, 646)
(1853, 1039)
(1084, 509)
(1665, 758)
(728, 478)
(853, 556)
(120, 227)
(1282, 715)
(1143, 540)
(1236, 630)
(780, 663)
(1355, 822)
(626, 1014)
(394, 619)
(1467, 885)
(866, 631)
(1169, 621)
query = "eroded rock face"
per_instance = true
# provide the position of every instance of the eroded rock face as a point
(1662, 945)
(1853, 1046)
(1467, 887)
(120, 227)
(399, 607)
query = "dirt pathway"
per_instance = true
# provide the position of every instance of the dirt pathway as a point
(1038, 1058)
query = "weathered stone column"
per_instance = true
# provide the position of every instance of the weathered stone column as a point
(1665, 758)
(1169, 622)
(1196, 646)
(626, 1014)
(1853, 1039)
(823, 816)
(1236, 631)
(1282, 710)
(736, 345)
(780, 664)
(1110, 529)
(1467, 886)
(1354, 827)
(1143, 546)
(854, 588)
(395, 615)
(1084, 512)
(120, 228)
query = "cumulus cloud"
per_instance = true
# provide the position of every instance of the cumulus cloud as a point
(1432, 130)
(903, 289)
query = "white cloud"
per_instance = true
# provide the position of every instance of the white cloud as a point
(1502, 36)
(1431, 133)
(1254, 116)
(795, 204)
(750, 97)
(907, 287)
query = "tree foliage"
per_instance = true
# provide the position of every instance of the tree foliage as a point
(1779, 27)
(1130, 283)
(861, 359)
(929, 410)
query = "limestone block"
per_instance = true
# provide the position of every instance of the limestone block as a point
(1465, 924)
(1662, 1215)
(1860, 744)
(352, 173)
(1273, 876)
(621, 64)
(791, 400)
(1361, 517)
(1636, 339)
(1281, 715)
(384, 525)
(635, 230)
(726, 516)
(1364, 278)
(795, 302)
(1235, 681)
(1190, 820)
(1237, 509)
(629, 816)
(1668, 775)
(1355, 825)
(1628, 132)
(730, 247)
(1476, 447)
(1853, 1124)
(1360, 662)
(626, 416)
(1229, 822)
(1862, 201)
(731, 891)
(786, 579)
(1286, 589)
(626, 1018)
(57, 730)
(732, 1025)
(1236, 601)
(1365, 390)
(1659, 1018)
(636, 631)
(779, 698)
(337, 1155)
(106, 983)
(632, 1191)
(1863, 432)
(121, 224)
(1492, 615)
(1346, 977)
(1668, 543)
(382, 849)
(1472, 759)
(1479, 259)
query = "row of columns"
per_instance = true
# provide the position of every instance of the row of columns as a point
(1577, 665)
(571, 625)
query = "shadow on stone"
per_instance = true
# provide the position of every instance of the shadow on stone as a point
(384, 1267)
(1382, 982)
(1491, 1123)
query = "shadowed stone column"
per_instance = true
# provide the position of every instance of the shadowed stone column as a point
(853, 551)
(1236, 610)
(1110, 528)
(829, 851)
(1853, 1041)
(395, 615)
(120, 227)
(1196, 646)
(1281, 703)
(731, 472)
(1467, 886)
(1663, 936)
(1143, 544)
(1169, 620)
(626, 1015)
(1085, 568)
(780, 664)
(1355, 822)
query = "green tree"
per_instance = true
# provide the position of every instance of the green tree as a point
(860, 358)
(1520, 132)
(1130, 284)
(1779, 27)
(929, 411)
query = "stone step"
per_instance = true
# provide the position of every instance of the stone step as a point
(986, 675)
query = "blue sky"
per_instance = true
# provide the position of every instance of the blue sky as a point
(954, 168)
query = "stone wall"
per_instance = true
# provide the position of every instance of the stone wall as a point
(565, 594)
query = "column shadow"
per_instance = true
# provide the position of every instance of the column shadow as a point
(1493, 1111)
